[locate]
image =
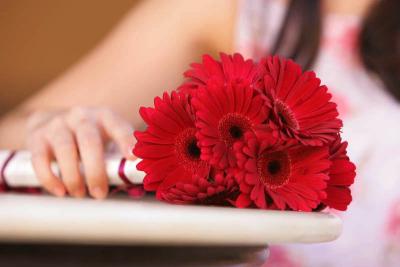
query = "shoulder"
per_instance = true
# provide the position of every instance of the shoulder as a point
(210, 23)
(216, 21)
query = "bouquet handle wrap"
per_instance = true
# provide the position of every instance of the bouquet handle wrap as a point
(17, 170)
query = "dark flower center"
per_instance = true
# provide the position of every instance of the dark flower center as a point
(232, 127)
(187, 151)
(274, 169)
(236, 132)
(274, 166)
(192, 149)
(286, 116)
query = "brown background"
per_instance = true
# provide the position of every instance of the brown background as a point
(40, 38)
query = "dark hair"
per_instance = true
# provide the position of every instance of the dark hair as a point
(378, 41)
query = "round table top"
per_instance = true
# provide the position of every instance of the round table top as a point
(121, 220)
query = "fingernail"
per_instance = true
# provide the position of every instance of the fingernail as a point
(59, 191)
(98, 192)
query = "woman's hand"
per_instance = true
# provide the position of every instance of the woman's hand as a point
(79, 134)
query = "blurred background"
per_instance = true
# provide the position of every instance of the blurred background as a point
(41, 38)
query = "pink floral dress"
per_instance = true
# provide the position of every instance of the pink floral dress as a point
(371, 226)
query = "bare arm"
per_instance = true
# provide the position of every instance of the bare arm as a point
(143, 56)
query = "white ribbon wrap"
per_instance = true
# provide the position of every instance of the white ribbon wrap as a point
(19, 171)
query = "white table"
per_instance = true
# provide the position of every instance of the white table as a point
(151, 225)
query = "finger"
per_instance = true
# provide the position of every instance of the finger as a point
(65, 150)
(41, 157)
(120, 131)
(91, 149)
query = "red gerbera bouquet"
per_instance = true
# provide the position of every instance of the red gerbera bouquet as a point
(263, 135)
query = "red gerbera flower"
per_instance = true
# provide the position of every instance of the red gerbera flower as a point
(300, 106)
(230, 69)
(342, 174)
(168, 146)
(271, 175)
(215, 189)
(224, 113)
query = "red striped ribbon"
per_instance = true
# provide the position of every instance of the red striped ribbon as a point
(134, 191)
(4, 187)
(3, 182)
